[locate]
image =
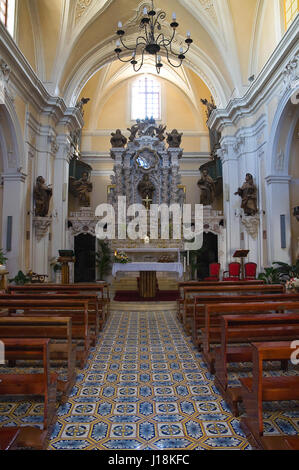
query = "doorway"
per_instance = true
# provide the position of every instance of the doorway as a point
(208, 254)
(85, 270)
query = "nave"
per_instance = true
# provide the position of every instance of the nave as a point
(145, 386)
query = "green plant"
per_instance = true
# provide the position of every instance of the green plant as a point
(270, 276)
(3, 259)
(20, 279)
(286, 271)
(103, 259)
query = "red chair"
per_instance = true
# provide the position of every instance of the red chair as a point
(214, 270)
(250, 271)
(234, 270)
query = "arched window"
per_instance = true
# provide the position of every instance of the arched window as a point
(7, 14)
(146, 99)
(291, 9)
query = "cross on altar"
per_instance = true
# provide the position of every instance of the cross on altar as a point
(147, 201)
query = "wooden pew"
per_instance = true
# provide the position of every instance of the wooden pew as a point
(101, 289)
(214, 312)
(95, 321)
(75, 309)
(257, 389)
(194, 284)
(8, 437)
(198, 320)
(214, 290)
(54, 328)
(246, 329)
(31, 384)
(24, 438)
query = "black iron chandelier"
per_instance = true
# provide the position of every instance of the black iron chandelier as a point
(153, 41)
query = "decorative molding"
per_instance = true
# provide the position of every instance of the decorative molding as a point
(251, 224)
(81, 8)
(41, 225)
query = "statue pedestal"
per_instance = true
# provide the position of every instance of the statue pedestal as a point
(65, 269)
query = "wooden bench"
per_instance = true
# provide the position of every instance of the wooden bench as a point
(44, 384)
(244, 330)
(94, 319)
(101, 290)
(213, 313)
(54, 328)
(198, 320)
(8, 437)
(75, 309)
(257, 389)
(187, 307)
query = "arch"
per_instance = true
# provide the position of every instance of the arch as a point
(11, 139)
(197, 61)
(286, 116)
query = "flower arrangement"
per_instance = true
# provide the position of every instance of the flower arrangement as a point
(121, 257)
(292, 284)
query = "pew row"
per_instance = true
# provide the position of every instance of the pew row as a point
(213, 313)
(44, 384)
(75, 309)
(56, 329)
(244, 330)
(258, 389)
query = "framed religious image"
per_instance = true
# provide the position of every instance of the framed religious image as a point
(146, 159)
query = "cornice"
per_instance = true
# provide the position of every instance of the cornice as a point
(268, 80)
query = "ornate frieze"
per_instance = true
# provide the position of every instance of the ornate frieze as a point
(81, 7)
(4, 79)
(291, 74)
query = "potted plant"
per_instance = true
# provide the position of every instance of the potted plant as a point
(20, 279)
(103, 259)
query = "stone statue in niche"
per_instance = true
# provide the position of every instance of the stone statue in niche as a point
(207, 189)
(174, 139)
(146, 189)
(248, 193)
(81, 189)
(81, 103)
(41, 195)
(118, 140)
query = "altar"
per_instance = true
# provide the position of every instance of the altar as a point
(147, 269)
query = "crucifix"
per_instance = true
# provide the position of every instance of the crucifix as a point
(147, 201)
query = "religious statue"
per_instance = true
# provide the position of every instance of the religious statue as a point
(248, 193)
(118, 140)
(146, 190)
(133, 130)
(81, 189)
(160, 132)
(174, 138)
(207, 188)
(210, 106)
(42, 195)
(81, 103)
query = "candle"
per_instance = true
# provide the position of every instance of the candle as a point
(181, 50)
(145, 11)
(174, 16)
(188, 34)
(159, 59)
(120, 25)
(117, 43)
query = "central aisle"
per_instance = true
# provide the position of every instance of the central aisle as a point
(145, 387)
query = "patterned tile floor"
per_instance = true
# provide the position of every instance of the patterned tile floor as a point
(145, 387)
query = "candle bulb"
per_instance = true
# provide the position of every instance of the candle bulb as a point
(159, 59)
(145, 11)
(117, 43)
(188, 34)
(174, 16)
(120, 25)
(181, 50)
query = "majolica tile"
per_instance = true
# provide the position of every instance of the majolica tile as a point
(149, 390)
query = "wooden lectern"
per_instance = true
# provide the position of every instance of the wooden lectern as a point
(65, 270)
(242, 254)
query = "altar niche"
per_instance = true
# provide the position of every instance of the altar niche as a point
(85, 247)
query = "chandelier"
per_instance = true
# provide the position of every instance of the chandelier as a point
(152, 41)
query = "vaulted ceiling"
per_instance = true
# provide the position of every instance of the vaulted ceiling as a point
(73, 39)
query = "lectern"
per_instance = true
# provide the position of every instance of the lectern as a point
(241, 254)
(66, 257)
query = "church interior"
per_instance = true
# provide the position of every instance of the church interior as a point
(149, 221)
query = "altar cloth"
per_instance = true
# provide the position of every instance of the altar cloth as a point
(152, 266)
